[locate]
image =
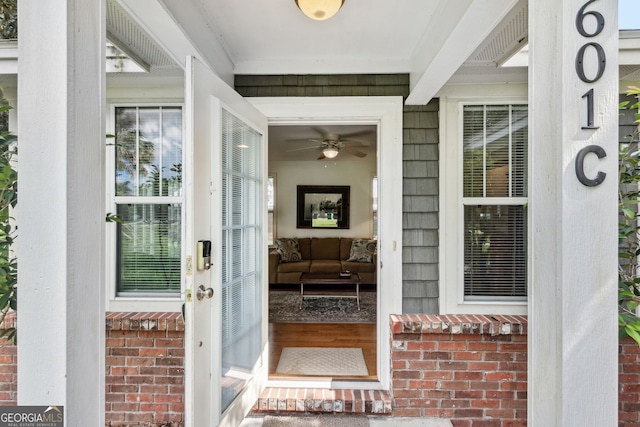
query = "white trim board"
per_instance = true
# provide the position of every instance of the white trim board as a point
(386, 113)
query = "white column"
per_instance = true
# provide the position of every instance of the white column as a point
(61, 206)
(573, 290)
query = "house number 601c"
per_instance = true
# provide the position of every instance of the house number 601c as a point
(589, 95)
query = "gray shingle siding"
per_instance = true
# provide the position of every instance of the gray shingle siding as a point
(420, 168)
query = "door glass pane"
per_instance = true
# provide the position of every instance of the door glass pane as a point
(241, 249)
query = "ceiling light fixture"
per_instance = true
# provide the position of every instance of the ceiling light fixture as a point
(319, 9)
(330, 152)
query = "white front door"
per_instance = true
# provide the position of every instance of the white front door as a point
(226, 322)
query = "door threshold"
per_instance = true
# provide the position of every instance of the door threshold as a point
(326, 383)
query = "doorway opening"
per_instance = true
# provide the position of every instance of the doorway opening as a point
(328, 229)
(385, 114)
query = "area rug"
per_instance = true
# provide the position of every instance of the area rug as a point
(322, 361)
(284, 306)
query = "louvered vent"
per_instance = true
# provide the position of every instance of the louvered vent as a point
(507, 37)
(629, 73)
(122, 27)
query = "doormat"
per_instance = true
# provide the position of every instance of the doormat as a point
(322, 361)
(284, 306)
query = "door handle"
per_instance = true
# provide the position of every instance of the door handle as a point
(203, 292)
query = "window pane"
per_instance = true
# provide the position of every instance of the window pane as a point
(126, 130)
(495, 251)
(271, 203)
(473, 156)
(495, 151)
(149, 144)
(148, 151)
(519, 156)
(149, 247)
(271, 193)
(172, 151)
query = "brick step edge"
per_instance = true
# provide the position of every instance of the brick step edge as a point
(313, 401)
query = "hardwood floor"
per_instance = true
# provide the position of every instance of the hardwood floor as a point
(361, 335)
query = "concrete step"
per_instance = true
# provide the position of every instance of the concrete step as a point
(340, 420)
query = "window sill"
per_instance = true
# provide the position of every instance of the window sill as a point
(148, 305)
(144, 321)
(459, 324)
(494, 302)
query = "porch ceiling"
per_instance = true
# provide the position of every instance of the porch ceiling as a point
(435, 41)
(429, 39)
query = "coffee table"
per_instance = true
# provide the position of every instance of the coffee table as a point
(311, 280)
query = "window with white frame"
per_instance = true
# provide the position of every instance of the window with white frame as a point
(271, 207)
(374, 207)
(148, 200)
(494, 200)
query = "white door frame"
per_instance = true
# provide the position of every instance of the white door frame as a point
(386, 113)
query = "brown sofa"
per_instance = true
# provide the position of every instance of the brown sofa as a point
(320, 255)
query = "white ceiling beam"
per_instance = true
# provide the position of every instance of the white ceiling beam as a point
(325, 66)
(455, 34)
(161, 20)
(191, 18)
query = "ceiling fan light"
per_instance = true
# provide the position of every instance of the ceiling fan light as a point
(319, 9)
(330, 152)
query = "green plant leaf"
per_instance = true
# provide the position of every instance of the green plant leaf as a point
(632, 333)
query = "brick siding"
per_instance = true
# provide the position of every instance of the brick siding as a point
(144, 369)
(472, 369)
(629, 384)
(8, 367)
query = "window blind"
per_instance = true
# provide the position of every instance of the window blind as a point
(495, 151)
(495, 158)
(495, 251)
(241, 248)
(148, 253)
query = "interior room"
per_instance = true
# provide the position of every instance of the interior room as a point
(303, 160)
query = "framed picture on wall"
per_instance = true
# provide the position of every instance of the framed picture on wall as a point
(323, 206)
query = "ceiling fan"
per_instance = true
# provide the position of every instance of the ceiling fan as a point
(332, 144)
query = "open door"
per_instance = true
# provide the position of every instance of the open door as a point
(226, 308)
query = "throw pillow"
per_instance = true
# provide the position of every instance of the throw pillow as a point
(362, 250)
(288, 249)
